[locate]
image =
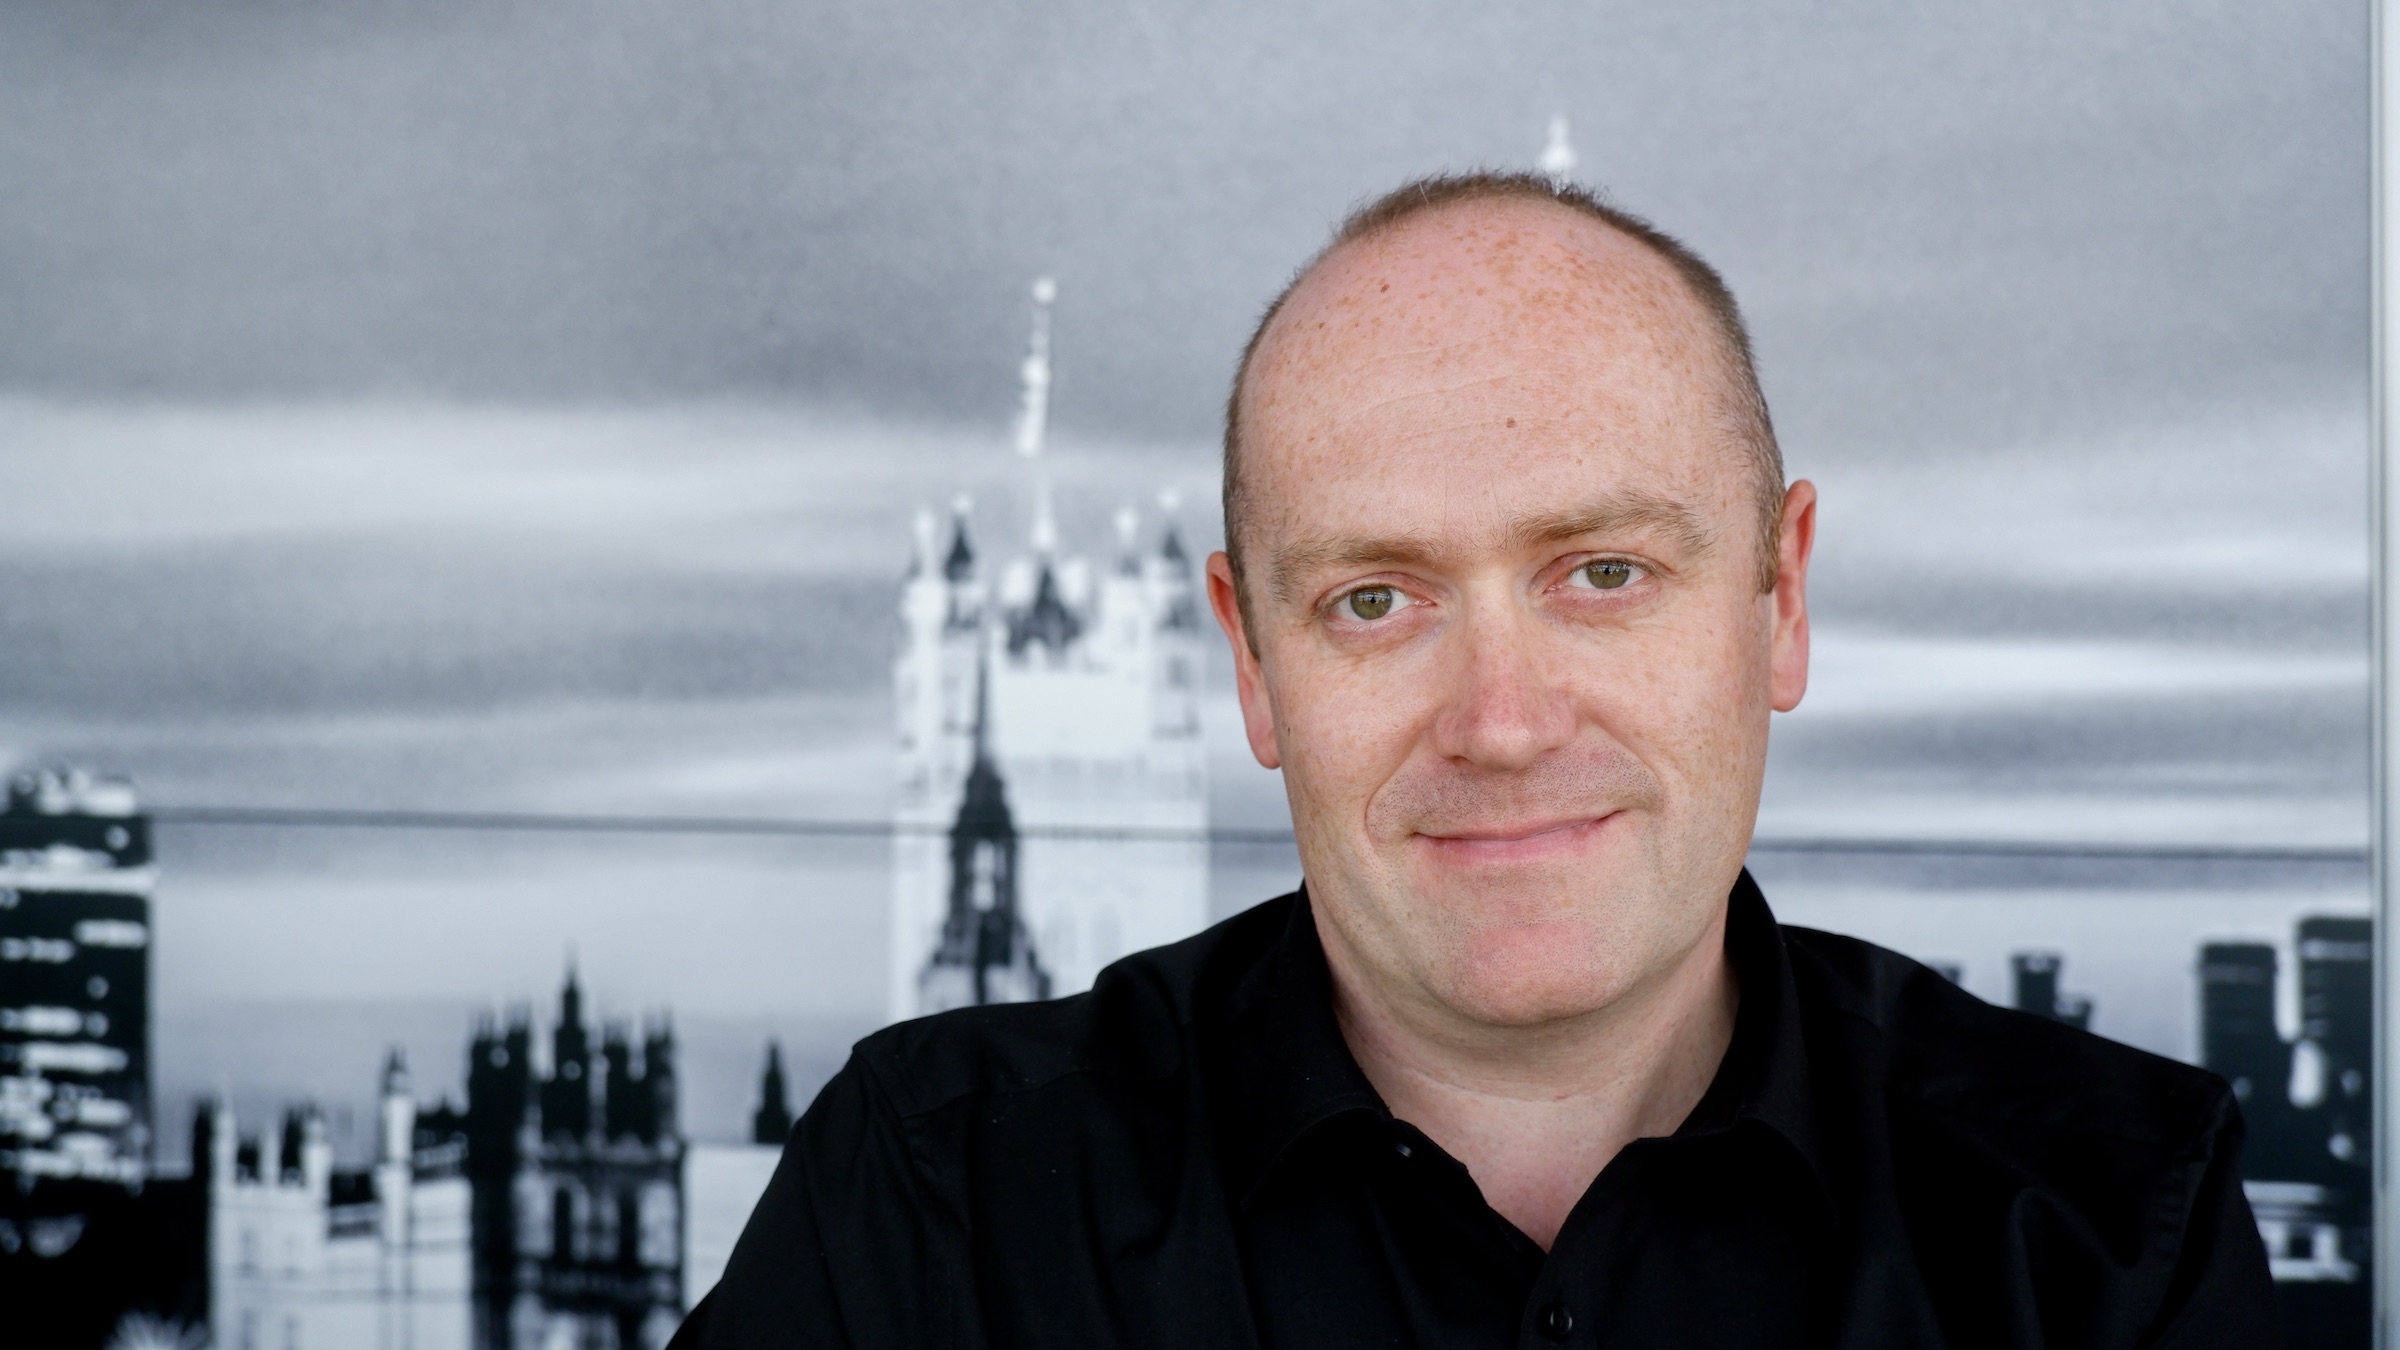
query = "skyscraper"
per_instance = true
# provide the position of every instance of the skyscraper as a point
(2337, 1021)
(86, 1235)
(2238, 1037)
(2305, 1166)
(75, 881)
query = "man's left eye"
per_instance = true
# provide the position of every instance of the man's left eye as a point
(1605, 575)
(1373, 602)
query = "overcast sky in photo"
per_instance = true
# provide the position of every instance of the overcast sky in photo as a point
(1964, 224)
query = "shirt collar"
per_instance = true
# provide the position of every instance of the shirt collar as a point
(1765, 1079)
(1292, 1073)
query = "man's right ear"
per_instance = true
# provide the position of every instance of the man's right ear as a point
(1249, 683)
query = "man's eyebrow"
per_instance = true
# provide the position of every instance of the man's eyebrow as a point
(1300, 560)
(1630, 513)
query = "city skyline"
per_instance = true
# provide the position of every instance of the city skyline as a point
(558, 1187)
(551, 1191)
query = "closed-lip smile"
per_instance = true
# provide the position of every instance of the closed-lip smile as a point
(1514, 843)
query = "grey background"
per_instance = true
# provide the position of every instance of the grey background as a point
(519, 406)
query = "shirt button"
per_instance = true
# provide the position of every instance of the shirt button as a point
(1556, 1322)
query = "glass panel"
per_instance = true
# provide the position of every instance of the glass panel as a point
(485, 500)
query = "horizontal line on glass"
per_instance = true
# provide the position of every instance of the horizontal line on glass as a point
(383, 819)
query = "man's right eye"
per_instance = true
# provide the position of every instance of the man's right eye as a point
(1371, 602)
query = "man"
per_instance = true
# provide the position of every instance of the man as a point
(1513, 583)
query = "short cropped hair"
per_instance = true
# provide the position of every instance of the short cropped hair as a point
(1743, 399)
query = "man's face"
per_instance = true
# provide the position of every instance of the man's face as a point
(1502, 554)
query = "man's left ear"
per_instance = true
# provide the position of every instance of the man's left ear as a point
(1788, 668)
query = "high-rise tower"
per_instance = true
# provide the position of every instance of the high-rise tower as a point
(86, 1233)
(2238, 1037)
(1084, 682)
(2337, 1022)
(75, 881)
(2305, 1163)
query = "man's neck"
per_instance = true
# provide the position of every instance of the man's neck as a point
(1536, 1112)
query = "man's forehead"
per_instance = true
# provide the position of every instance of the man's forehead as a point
(1432, 388)
(1478, 317)
(1469, 276)
(1483, 330)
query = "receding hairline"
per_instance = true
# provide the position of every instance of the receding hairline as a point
(1700, 282)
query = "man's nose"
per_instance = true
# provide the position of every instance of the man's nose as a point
(1503, 708)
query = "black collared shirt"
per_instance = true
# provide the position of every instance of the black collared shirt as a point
(1189, 1156)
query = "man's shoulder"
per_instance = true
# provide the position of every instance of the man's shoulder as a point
(1940, 1051)
(2033, 1168)
(1135, 1024)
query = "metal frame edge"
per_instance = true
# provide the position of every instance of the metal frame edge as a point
(2384, 628)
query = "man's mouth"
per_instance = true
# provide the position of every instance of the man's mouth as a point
(1526, 842)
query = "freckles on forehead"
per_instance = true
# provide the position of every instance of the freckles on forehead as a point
(1485, 348)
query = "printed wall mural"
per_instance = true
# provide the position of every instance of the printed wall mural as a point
(564, 566)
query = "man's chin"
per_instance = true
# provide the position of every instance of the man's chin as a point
(1531, 973)
(1533, 941)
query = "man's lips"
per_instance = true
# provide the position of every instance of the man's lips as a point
(1515, 843)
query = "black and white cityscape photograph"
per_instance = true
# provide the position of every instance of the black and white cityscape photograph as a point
(568, 561)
